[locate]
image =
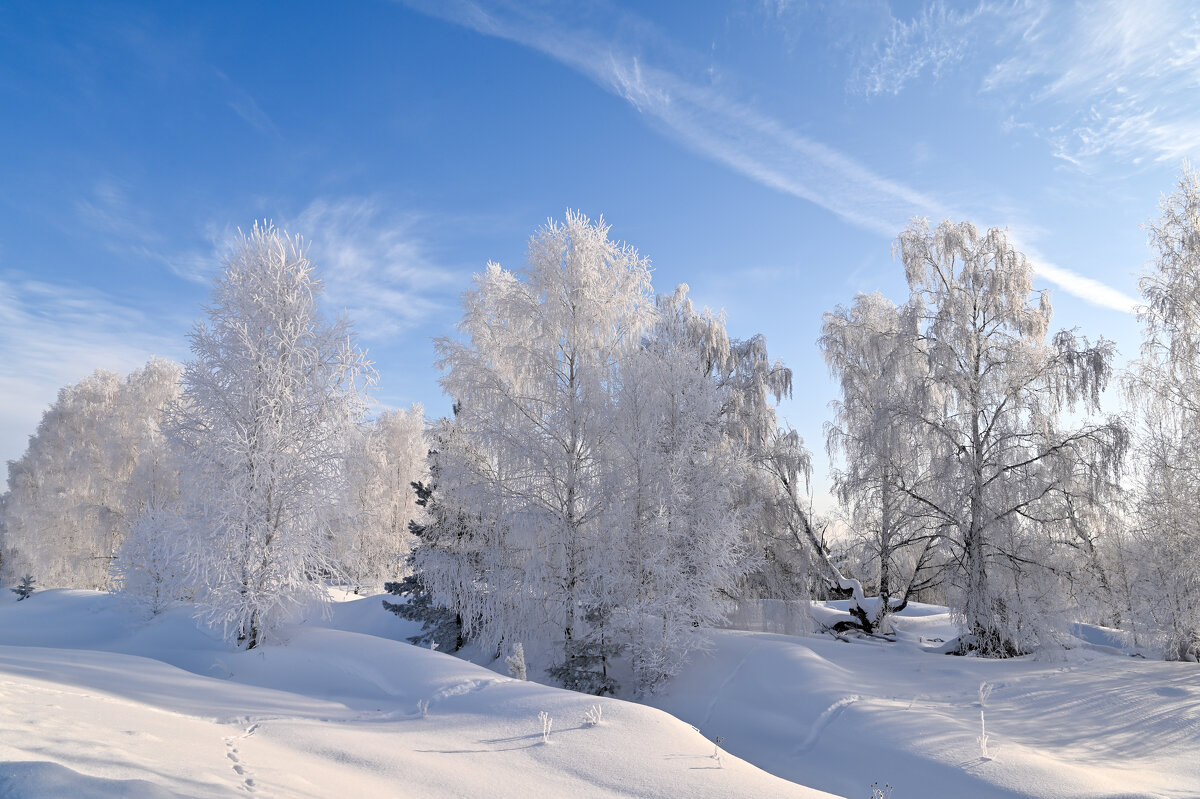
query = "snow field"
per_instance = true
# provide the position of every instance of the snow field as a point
(101, 703)
(1087, 722)
(97, 701)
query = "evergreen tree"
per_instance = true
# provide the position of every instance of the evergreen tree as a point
(440, 625)
(25, 588)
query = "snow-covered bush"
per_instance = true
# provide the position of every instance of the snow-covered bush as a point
(516, 662)
(151, 564)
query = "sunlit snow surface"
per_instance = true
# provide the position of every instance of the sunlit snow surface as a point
(96, 701)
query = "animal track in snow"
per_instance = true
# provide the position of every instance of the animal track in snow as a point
(247, 781)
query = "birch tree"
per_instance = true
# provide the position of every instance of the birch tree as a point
(535, 381)
(1008, 470)
(75, 492)
(678, 474)
(596, 487)
(1164, 386)
(387, 458)
(874, 351)
(272, 398)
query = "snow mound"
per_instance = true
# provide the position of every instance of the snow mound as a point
(46, 780)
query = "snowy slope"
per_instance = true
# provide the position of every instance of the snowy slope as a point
(96, 702)
(1089, 722)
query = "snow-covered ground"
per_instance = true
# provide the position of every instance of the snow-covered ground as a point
(1091, 721)
(96, 701)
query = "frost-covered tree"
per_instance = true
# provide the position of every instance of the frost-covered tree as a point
(273, 397)
(598, 480)
(75, 492)
(151, 564)
(536, 380)
(516, 662)
(386, 460)
(748, 385)
(1164, 385)
(1009, 473)
(875, 352)
(677, 477)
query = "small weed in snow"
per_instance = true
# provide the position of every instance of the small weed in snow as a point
(881, 793)
(983, 737)
(985, 692)
(716, 755)
(423, 708)
(593, 716)
(547, 723)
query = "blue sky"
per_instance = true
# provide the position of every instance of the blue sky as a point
(764, 153)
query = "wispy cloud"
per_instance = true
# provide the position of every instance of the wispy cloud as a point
(1123, 78)
(1072, 282)
(127, 229)
(1109, 79)
(1085, 287)
(246, 107)
(54, 335)
(706, 121)
(933, 41)
(375, 265)
(750, 142)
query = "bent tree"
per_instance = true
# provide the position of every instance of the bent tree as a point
(1009, 476)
